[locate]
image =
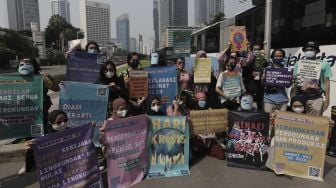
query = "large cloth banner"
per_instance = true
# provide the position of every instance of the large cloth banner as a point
(202, 69)
(84, 67)
(248, 144)
(169, 146)
(300, 145)
(84, 103)
(126, 141)
(67, 159)
(207, 122)
(237, 35)
(21, 106)
(278, 77)
(162, 83)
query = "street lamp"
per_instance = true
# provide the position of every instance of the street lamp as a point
(268, 28)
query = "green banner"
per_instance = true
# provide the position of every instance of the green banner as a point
(21, 106)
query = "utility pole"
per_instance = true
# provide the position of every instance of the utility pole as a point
(268, 28)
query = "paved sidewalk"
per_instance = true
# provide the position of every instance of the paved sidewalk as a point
(207, 173)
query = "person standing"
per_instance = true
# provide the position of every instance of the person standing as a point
(317, 92)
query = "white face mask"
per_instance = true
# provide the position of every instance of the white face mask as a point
(122, 113)
(309, 54)
(59, 127)
(155, 108)
(109, 74)
(92, 51)
(298, 110)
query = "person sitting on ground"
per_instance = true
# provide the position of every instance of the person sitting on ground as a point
(155, 107)
(180, 106)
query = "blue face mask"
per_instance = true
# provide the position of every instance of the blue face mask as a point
(25, 69)
(92, 51)
(202, 104)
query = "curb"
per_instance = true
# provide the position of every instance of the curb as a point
(12, 153)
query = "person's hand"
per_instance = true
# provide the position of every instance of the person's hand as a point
(113, 85)
(126, 80)
(176, 103)
(141, 100)
(29, 144)
(325, 104)
(93, 124)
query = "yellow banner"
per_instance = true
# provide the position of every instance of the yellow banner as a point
(202, 72)
(208, 121)
(300, 145)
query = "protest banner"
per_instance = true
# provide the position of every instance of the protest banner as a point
(162, 83)
(208, 121)
(300, 145)
(138, 84)
(248, 143)
(84, 103)
(237, 36)
(67, 159)
(169, 146)
(278, 77)
(190, 65)
(126, 141)
(21, 106)
(84, 67)
(202, 72)
(309, 69)
(232, 86)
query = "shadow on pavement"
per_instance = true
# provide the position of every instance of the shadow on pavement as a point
(19, 181)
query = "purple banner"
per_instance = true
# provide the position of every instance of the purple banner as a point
(67, 159)
(126, 151)
(280, 77)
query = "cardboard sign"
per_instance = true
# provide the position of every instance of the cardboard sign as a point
(169, 146)
(248, 144)
(138, 84)
(279, 77)
(67, 159)
(309, 69)
(202, 72)
(300, 145)
(237, 37)
(21, 106)
(126, 141)
(232, 86)
(208, 121)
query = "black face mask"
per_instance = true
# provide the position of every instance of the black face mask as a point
(134, 64)
(231, 67)
(279, 62)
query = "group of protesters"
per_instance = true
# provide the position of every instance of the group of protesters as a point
(255, 96)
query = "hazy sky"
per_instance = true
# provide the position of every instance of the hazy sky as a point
(140, 13)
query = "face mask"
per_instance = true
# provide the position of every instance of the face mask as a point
(231, 67)
(255, 52)
(122, 113)
(26, 69)
(246, 102)
(202, 104)
(279, 62)
(309, 54)
(92, 51)
(134, 64)
(155, 108)
(298, 110)
(59, 127)
(109, 74)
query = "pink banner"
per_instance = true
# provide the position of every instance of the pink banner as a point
(126, 151)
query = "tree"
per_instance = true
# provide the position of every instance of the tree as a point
(59, 31)
(13, 44)
(217, 18)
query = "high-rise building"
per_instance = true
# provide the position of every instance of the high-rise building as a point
(123, 31)
(173, 13)
(21, 13)
(214, 7)
(201, 12)
(95, 21)
(133, 45)
(156, 24)
(62, 8)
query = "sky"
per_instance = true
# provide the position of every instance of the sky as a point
(140, 14)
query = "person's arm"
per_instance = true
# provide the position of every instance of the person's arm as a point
(219, 84)
(326, 94)
(220, 91)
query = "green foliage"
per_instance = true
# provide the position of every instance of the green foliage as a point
(59, 29)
